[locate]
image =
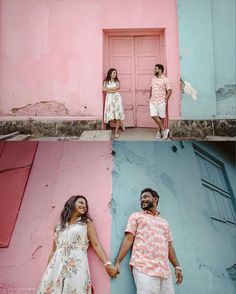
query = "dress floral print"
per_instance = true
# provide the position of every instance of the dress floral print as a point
(113, 105)
(68, 270)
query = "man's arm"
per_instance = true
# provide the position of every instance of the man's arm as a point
(168, 94)
(150, 95)
(124, 248)
(174, 260)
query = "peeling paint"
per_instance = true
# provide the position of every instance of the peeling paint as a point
(232, 272)
(226, 92)
(113, 153)
(188, 89)
(37, 252)
(113, 206)
(168, 182)
(43, 108)
(212, 270)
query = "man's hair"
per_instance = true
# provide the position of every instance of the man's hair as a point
(160, 66)
(153, 192)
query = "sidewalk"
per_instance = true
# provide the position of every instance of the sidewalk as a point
(137, 134)
(142, 134)
(130, 134)
(149, 134)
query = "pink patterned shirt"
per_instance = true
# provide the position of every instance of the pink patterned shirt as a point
(159, 87)
(151, 243)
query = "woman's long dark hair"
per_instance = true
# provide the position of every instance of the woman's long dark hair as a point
(69, 209)
(108, 77)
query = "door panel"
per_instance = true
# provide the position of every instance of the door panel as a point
(147, 54)
(121, 57)
(134, 58)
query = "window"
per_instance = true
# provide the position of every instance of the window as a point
(216, 186)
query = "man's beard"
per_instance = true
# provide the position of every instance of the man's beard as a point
(148, 206)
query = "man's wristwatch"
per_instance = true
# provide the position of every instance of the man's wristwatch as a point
(179, 268)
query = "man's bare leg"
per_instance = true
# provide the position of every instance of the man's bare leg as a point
(159, 121)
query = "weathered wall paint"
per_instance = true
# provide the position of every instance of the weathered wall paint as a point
(223, 22)
(60, 169)
(53, 50)
(205, 248)
(207, 57)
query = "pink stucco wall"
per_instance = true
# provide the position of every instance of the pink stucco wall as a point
(53, 50)
(60, 169)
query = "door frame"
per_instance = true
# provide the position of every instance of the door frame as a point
(131, 33)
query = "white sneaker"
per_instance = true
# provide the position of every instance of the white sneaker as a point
(158, 135)
(165, 134)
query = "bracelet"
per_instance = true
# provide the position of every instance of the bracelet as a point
(107, 263)
(179, 268)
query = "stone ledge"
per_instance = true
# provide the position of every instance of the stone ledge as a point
(202, 128)
(179, 129)
(49, 128)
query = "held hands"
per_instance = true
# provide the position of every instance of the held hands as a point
(117, 265)
(111, 270)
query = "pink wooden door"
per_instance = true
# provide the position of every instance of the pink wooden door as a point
(121, 57)
(147, 54)
(134, 57)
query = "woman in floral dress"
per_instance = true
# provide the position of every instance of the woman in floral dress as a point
(68, 270)
(114, 109)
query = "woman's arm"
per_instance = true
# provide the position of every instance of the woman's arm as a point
(54, 248)
(117, 87)
(93, 238)
(104, 87)
(108, 90)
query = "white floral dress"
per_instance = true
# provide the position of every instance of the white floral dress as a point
(68, 270)
(113, 105)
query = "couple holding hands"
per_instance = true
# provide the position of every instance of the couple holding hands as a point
(159, 95)
(146, 232)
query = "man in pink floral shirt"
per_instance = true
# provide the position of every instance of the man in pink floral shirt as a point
(159, 95)
(152, 249)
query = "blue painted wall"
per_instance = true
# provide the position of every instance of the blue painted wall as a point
(207, 57)
(204, 247)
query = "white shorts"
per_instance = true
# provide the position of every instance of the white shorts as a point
(158, 109)
(152, 285)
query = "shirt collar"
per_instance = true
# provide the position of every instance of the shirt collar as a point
(149, 212)
(160, 77)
